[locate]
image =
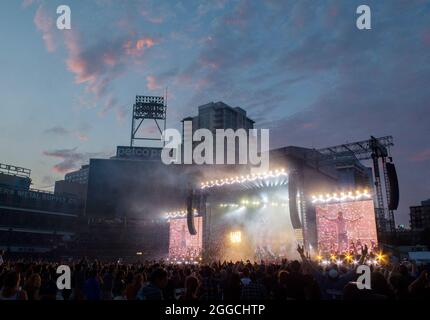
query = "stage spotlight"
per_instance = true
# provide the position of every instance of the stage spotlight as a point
(264, 199)
(380, 257)
(235, 237)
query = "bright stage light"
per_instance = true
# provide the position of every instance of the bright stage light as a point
(254, 204)
(178, 214)
(380, 257)
(236, 237)
(349, 196)
(243, 179)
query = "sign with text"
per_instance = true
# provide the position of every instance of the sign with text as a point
(140, 153)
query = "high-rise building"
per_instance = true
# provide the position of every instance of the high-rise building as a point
(219, 115)
(351, 173)
(420, 216)
(79, 176)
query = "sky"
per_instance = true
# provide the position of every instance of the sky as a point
(300, 68)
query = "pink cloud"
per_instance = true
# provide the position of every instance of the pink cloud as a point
(426, 37)
(70, 159)
(152, 18)
(98, 66)
(421, 156)
(136, 48)
(308, 125)
(152, 83)
(27, 3)
(45, 24)
(81, 136)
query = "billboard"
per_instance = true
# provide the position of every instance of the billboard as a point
(141, 153)
(183, 245)
(346, 226)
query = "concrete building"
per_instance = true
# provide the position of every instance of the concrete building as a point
(219, 115)
(420, 216)
(33, 221)
(213, 116)
(78, 176)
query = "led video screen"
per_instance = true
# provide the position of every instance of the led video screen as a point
(181, 243)
(346, 226)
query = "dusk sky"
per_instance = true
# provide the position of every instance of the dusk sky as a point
(300, 68)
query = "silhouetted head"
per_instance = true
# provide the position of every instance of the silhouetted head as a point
(159, 277)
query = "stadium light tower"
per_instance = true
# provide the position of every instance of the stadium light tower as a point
(152, 108)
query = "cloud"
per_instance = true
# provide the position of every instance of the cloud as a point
(70, 159)
(27, 3)
(152, 83)
(82, 136)
(57, 130)
(97, 66)
(423, 155)
(45, 24)
(110, 103)
(300, 68)
(63, 132)
(156, 19)
(371, 83)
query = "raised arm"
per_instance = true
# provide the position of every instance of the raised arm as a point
(353, 220)
(329, 219)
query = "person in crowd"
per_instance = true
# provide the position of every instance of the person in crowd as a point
(108, 279)
(78, 281)
(11, 289)
(253, 290)
(209, 284)
(48, 289)
(280, 292)
(241, 280)
(191, 289)
(420, 288)
(157, 282)
(295, 281)
(119, 284)
(332, 281)
(1, 257)
(233, 287)
(92, 289)
(32, 286)
(245, 280)
(133, 288)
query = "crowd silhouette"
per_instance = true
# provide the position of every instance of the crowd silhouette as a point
(303, 279)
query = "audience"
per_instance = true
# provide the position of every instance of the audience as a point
(151, 280)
